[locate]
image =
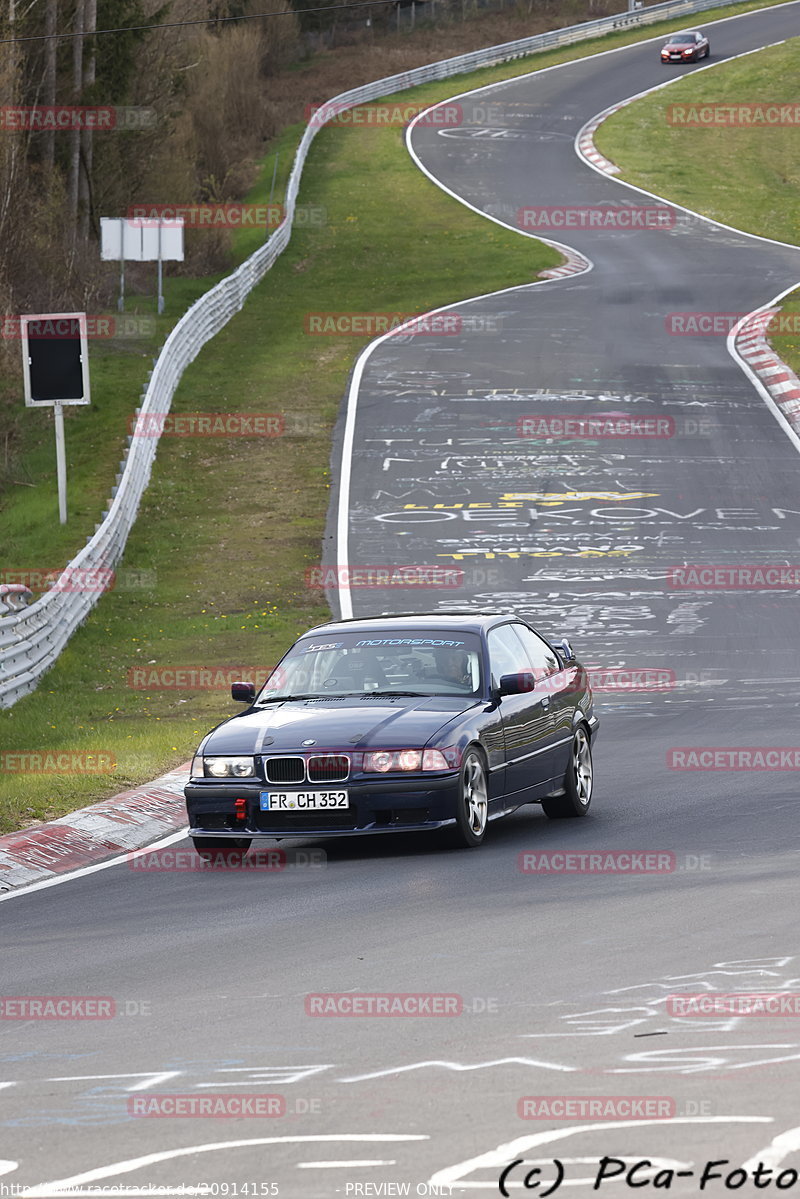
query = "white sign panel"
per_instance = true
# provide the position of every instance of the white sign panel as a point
(138, 240)
(120, 240)
(170, 236)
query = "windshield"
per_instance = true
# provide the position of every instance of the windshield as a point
(681, 39)
(435, 662)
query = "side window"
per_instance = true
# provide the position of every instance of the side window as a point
(543, 658)
(506, 655)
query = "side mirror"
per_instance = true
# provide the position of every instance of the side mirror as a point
(517, 684)
(245, 693)
(565, 650)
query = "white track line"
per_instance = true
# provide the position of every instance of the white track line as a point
(84, 870)
(343, 511)
(747, 364)
(343, 515)
(594, 122)
(751, 353)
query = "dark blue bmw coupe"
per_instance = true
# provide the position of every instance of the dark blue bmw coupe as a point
(399, 723)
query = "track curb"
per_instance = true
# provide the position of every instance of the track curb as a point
(125, 822)
(750, 336)
(779, 380)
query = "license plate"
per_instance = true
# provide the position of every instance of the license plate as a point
(303, 801)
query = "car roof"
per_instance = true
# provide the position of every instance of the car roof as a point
(465, 621)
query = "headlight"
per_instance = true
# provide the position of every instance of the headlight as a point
(383, 761)
(225, 768)
(380, 762)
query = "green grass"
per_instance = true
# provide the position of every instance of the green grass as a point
(747, 178)
(30, 535)
(787, 345)
(213, 573)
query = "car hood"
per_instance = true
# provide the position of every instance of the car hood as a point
(336, 724)
(678, 45)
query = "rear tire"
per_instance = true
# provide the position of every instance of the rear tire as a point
(472, 812)
(577, 781)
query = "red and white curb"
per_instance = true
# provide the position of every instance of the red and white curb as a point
(585, 140)
(576, 264)
(782, 384)
(126, 822)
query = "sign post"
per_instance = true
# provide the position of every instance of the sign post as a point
(141, 239)
(160, 279)
(61, 460)
(121, 300)
(55, 369)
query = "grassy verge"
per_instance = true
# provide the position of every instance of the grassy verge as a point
(213, 575)
(745, 177)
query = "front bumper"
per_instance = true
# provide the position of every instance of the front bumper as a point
(376, 806)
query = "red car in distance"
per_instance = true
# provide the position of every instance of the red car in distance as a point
(686, 47)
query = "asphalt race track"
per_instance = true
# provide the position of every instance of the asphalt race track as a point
(562, 978)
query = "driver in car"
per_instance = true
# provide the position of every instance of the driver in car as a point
(452, 666)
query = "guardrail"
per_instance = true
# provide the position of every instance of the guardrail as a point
(31, 640)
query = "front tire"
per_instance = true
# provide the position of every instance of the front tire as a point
(578, 781)
(472, 812)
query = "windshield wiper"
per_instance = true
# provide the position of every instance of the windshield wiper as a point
(415, 694)
(279, 699)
